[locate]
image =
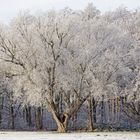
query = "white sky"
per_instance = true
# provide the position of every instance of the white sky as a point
(10, 8)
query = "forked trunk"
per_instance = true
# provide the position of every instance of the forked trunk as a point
(63, 119)
(61, 122)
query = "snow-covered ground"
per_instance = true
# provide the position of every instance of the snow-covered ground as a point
(69, 136)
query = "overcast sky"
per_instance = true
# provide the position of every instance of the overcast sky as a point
(10, 8)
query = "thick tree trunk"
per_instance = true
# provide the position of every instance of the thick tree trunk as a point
(61, 128)
(61, 121)
(62, 124)
(63, 118)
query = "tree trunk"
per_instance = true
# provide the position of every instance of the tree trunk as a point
(1, 108)
(90, 114)
(63, 118)
(102, 110)
(0, 117)
(74, 122)
(61, 121)
(94, 110)
(38, 118)
(114, 110)
(12, 118)
(61, 128)
(139, 106)
(28, 115)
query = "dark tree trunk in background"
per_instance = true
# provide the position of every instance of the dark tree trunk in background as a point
(28, 115)
(90, 114)
(102, 110)
(139, 106)
(109, 110)
(38, 118)
(118, 109)
(121, 107)
(1, 107)
(60, 103)
(75, 121)
(114, 111)
(12, 118)
(94, 109)
(0, 117)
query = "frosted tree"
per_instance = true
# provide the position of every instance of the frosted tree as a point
(42, 77)
(59, 60)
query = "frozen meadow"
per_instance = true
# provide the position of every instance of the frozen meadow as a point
(69, 136)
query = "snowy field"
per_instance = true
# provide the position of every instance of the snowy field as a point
(71, 136)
